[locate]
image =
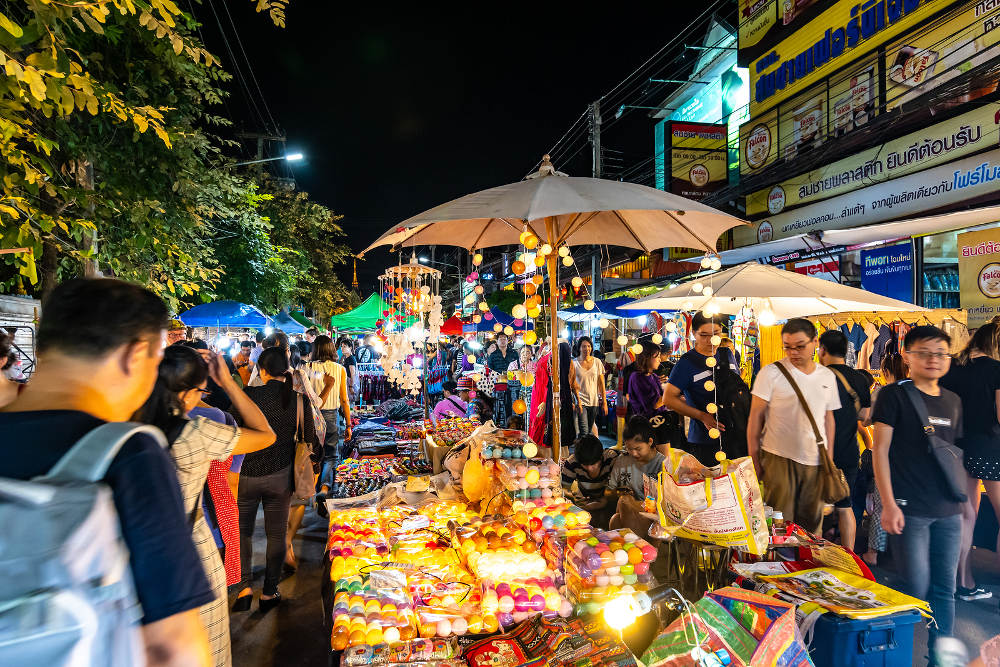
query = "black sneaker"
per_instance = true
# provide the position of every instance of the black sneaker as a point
(970, 594)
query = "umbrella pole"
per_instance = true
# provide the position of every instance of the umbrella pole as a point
(553, 268)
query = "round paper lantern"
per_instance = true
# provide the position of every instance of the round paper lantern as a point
(537, 279)
(709, 385)
(713, 433)
(498, 327)
(509, 330)
(477, 319)
(623, 340)
(720, 456)
(520, 407)
(637, 348)
(588, 304)
(716, 264)
(530, 289)
(697, 287)
(478, 289)
(706, 262)
(534, 312)
(567, 261)
(564, 251)
(531, 242)
(539, 261)
(483, 307)
(716, 340)
(577, 281)
(604, 323)
(707, 291)
(518, 267)
(524, 236)
(530, 337)
(474, 275)
(656, 338)
(711, 362)
(711, 408)
(518, 310)
(545, 249)
(471, 358)
(477, 259)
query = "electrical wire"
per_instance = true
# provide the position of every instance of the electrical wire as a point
(253, 77)
(247, 93)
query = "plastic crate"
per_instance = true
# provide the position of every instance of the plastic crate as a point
(886, 641)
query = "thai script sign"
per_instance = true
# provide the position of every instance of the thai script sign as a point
(979, 274)
(945, 184)
(830, 40)
(888, 271)
(968, 133)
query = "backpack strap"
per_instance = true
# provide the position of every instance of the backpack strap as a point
(90, 457)
(850, 390)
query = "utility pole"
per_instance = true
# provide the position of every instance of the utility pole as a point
(595, 138)
(260, 138)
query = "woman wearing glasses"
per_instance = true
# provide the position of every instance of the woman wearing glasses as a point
(195, 443)
(975, 376)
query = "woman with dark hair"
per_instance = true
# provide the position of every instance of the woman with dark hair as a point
(567, 418)
(587, 383)
(645, 394)
(305, 350)
(194, 445)
(975, 377)
(266, 476)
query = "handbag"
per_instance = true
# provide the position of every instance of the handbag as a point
(833, 484)
(304, 482)
(947, 455)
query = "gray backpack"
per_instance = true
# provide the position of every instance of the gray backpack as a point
(67, 597)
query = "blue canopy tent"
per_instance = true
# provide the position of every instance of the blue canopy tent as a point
(286, 323)
(499, 317)
(225, 314)
(604, 308)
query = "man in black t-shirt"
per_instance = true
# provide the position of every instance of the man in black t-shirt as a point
(350, 364)
(99, 344)
(918, 511)
(855, 403)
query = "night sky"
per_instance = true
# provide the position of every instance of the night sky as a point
(398, 111)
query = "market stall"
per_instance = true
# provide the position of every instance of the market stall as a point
(364, 318)
(221, 314)
(489, 562)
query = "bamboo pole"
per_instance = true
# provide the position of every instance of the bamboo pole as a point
(553, 267)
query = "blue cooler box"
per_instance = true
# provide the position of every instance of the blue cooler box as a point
(886, 641)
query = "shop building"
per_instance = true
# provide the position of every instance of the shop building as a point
(860, 116)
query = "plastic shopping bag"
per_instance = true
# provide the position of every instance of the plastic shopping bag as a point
(721, 505)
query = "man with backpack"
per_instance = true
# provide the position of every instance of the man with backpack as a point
(99, 345)
(855, 403)
(922, 493)
(690, 391)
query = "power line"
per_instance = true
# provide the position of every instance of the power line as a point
(239, 73)
(260, 93)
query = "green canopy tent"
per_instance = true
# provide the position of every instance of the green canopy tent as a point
(362, 318)
(299, 317)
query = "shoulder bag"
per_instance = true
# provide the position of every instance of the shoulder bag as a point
(947, 456)
(833, 484)
(304, 481)
(850, 390)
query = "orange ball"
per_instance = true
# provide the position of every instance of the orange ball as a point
(530, 242)
(539, 261)
(634, 556)
(518, 267)
(520, 407)
(529, 288)
(357, 638)
(490, 623)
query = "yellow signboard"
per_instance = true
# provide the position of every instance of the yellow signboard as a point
(758, 143)
(971, 132)
(979, 274)
(946, 48)
(828, 42)
(757, 17)
(698, 159)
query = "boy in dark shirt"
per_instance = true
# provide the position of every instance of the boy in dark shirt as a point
(100, 342)
(855, 404)
(918, 511)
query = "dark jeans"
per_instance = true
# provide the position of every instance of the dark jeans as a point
(927, 557)
(331, 448)
(585, 419)
(274, 492)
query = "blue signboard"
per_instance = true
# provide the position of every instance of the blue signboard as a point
(888, 271)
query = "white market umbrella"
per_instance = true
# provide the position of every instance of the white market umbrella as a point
(564, 210)
(786, 294)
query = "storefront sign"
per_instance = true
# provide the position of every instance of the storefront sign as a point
(764, 23)
(945, 49)
(945, 184)
(757, 18)
(888, 271)
(965, 134)
(698, 159)
(758, 143)
(829, 41)
(979, 274)
(819, 268)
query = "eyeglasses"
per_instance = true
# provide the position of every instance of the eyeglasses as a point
(920, 354)
(794, 348)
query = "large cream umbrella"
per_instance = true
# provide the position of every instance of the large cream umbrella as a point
(768, 290)
(563, 210)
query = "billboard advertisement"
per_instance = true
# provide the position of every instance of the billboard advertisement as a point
(979, 275)
(698, 159)
(945, 184)
(943, 50)
(828, 42)
(888, 271)
(968, 133)
(759, 143)
(764, 22)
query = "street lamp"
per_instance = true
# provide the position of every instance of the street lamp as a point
(291, 157)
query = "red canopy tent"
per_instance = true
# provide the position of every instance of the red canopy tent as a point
(452, 326)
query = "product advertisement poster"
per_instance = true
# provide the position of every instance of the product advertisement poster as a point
(945, 49)
(698, 159)
(888, 271)
(979, 275)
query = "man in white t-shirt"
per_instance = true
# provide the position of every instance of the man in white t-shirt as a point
(780, 436)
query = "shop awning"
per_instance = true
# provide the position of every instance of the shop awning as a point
(452, 326)
(286, 323)
(603, 308)
(362, 318)
(300, 317)
(840, 238)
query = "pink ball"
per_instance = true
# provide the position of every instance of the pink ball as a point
(459, 626)
(521, 469)
(506, 603)
(649, 553)
(474, 275)
(566, 610)
(641, 568)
